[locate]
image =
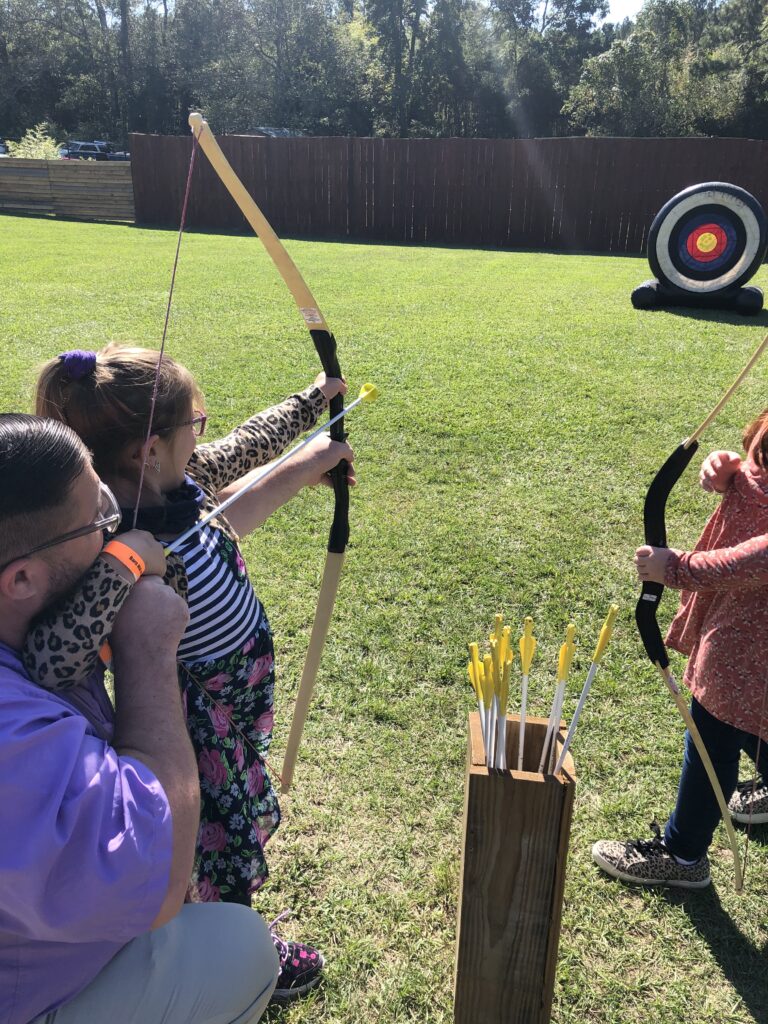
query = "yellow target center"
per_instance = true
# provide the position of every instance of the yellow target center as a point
(706, 242)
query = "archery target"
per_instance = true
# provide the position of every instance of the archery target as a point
(708, 238)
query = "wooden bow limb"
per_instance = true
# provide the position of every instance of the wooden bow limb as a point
(326, 348)
(334, 562)
(709, 768)
(288, 270)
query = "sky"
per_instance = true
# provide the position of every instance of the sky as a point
(621, 9)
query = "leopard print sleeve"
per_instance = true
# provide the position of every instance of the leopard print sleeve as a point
(255, 443)
(62, 646)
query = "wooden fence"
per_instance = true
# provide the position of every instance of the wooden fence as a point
(576, 194)
(89, 190)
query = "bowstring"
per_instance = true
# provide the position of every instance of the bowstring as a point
(155, 389)
(156, 385)
(754, 779)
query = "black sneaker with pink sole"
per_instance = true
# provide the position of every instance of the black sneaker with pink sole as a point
(300, 967)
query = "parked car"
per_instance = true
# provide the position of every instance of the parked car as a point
(96, 150)
(83, 151)
(3, 148)
(112, 153)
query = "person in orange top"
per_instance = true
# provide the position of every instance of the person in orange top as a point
(722, 626)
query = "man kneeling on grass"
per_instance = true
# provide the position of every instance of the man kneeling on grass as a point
(98, 816)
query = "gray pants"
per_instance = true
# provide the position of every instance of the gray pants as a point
(214, 963)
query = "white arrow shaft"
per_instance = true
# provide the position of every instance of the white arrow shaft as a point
(521, 733)
(579, 708)
(173, 546)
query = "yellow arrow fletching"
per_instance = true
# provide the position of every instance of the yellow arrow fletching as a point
(504, 652)
(487, 681)
(498, 621)
(527, 645)
(496, 665)
(474, 657)
(567, 652)
(477, 669)
(471, 674)
(605, 632)
(369, 393)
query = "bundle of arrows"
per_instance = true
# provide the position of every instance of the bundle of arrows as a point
(490, 678)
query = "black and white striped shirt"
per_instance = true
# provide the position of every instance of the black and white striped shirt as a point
(224, 610)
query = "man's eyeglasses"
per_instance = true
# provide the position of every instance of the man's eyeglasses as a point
(107, 519)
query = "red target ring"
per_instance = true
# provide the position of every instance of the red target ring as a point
(707, 242)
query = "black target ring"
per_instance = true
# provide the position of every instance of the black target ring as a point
(707, 239)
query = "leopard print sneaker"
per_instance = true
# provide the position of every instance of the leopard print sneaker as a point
(648, 862)
(747, 806)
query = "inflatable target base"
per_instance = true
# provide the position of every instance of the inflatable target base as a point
(653, 295)
(703, 247)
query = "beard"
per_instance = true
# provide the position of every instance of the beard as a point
(65, 576)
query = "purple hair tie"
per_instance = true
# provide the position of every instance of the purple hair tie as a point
(78, 363)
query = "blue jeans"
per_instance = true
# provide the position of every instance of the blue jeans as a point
(690, 829)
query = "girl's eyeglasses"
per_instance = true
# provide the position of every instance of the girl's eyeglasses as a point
(197, 424)
(107, 519)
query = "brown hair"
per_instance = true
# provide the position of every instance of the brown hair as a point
(109, 406)
(755, 437)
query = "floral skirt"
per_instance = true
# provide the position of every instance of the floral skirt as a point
(229, 708)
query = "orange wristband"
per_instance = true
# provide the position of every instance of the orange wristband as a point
(126, 556)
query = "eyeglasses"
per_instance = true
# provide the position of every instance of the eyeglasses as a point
(197, 424)
(107, 518)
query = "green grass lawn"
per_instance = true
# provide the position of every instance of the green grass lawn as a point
(525, 407)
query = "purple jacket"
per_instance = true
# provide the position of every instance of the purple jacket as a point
(85, 848)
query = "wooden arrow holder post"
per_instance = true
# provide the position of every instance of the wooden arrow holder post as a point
(516, 831)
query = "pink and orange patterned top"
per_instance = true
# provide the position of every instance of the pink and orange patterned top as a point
(722, 622)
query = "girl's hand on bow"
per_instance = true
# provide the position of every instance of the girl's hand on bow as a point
(331, 386)
(717, 470)
(323, 455)
(651, 563)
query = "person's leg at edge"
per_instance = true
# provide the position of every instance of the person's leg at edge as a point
(212, 964)
(749, 746)
(749, 804)
(692, 824)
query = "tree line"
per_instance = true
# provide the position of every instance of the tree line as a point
(406, 68)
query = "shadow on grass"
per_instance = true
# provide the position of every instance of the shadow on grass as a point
(745, 966)
(759, 834)
(720, 316)
(314, 1004)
